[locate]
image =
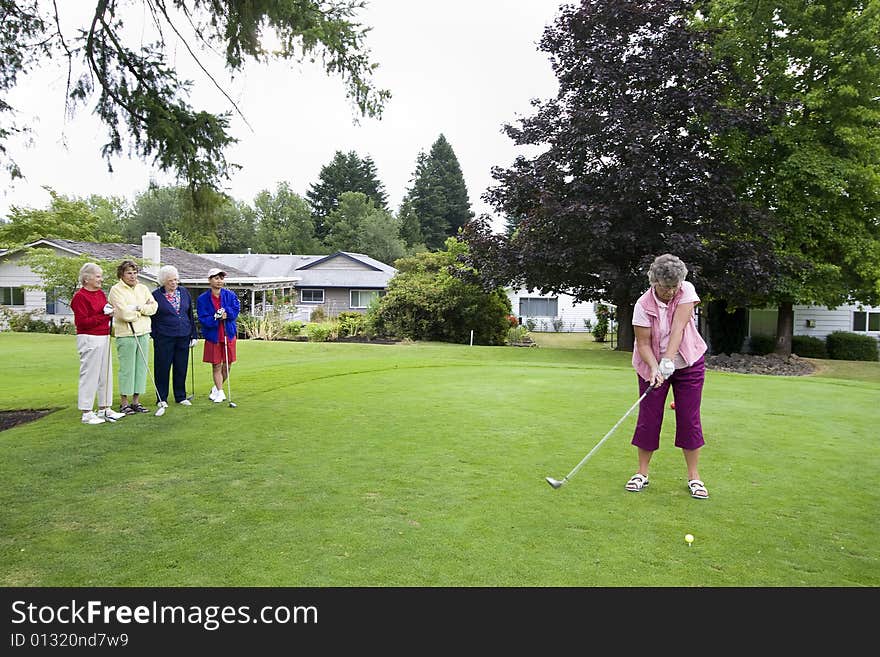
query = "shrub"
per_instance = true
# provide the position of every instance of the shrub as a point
(268, 327)
(292, 329)
(318, 315)
(558, 324)
(432, 298)
(351, 324)
(517, 334)
(27, 322)
(808, 346)
(762, 345)
(843, 345)
(600, 330)
(319, 332)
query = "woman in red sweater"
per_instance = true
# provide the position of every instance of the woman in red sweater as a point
(91, 315)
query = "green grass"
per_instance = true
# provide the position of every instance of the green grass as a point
(424, 465)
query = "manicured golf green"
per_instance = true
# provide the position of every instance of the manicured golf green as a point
(424, 465)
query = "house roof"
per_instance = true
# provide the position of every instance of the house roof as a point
(193, 268)
(340, 269)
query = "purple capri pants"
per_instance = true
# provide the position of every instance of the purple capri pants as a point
(687, 386)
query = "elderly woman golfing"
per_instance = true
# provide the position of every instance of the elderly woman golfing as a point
(133, 305)
(91, 315)
(669, 352)
(174, 334)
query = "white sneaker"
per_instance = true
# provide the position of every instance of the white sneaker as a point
(219, 397)
(90, 417)
(185, 402)
(213, 394)
(110, 414)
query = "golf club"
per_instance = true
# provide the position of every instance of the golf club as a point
(192, 380)
(162, 404)
(107, 382)
(228, 364)
(557, 483)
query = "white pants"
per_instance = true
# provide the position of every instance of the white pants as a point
(95, 371)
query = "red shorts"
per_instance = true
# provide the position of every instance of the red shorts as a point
(216, 352)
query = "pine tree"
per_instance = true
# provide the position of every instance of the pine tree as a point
(347, 172)
(438, 195)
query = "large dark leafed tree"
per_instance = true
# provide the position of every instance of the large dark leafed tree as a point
(438, 195)
(135, 89)
(627, 169)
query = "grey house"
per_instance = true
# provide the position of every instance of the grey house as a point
(339, 282)
(17, 281)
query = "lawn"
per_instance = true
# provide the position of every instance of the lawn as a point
(424, 464)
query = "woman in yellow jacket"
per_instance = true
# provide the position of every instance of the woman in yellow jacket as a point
(133, 304)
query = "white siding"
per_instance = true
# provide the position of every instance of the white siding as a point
(570, 313)
(815, 321)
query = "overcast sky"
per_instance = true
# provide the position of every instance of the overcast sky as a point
(462, 68)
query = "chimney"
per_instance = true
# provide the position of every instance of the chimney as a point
(151, 247)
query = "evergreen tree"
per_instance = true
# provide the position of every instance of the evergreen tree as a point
(438, 195)
(347, 172)
(410, 231)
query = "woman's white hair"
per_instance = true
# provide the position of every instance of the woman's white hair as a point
(667, 270)
(166, 272)
(87, 271)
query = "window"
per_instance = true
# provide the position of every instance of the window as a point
(363, 298)
(11, 296)
(529, 307)
(311, 296)
(55, 305)
(866, 321)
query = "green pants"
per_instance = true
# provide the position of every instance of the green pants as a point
(133, 363)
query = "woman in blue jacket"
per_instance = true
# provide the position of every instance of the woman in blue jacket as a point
(218, 309)
(174, 334)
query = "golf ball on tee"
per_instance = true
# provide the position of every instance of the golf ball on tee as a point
(689, 538)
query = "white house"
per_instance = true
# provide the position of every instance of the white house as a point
(819, 321)
(558, 313)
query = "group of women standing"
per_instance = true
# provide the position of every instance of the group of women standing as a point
(168, 316)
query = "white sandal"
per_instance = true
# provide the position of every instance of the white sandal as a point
(698, 489)
(637, 482)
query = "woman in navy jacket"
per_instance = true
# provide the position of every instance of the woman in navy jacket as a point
(217, 309)
(174, 334)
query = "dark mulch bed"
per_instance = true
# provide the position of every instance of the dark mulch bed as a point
(752, 364)
(9, 419)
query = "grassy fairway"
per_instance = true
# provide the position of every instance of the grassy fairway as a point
(424, 465)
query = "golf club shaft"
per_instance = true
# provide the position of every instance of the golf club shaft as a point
(607, 435)
(146, 364)
(228, 364)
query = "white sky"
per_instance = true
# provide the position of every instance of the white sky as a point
(462, 68)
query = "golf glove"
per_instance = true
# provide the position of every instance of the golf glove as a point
(218, 314)
(108, 309)
(192, 343)
(666, 368)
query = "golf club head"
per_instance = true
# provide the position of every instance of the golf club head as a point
(554, 483)
(233, 405)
